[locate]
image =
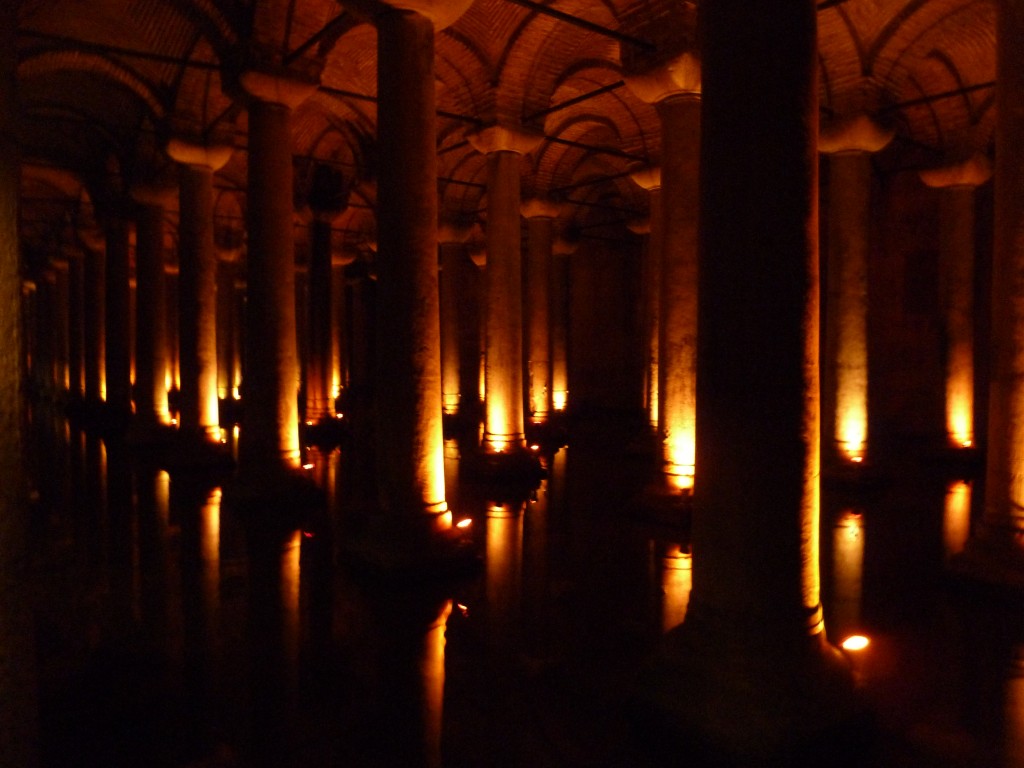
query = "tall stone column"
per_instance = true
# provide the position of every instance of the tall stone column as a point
(327, 200)
(61, 321)
(849, 143)
(94, 303)
(750, 674)
(956, 281)
(410, 442)
(504, 425)
(76, 325)
(995, 553)
(561, 250)
(451, 241)
(18, 705)
(197, 286)
(229, 242)
(340, 325)
(540, 218)
(269, 439)
(117, 328)
(151, 311)
(650, 290)
(675, 89)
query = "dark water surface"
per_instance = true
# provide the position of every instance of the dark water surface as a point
(168, 636)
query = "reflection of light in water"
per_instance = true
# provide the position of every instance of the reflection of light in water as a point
(956, 520)
(848, 569)
(209, 527)
(1013, 711)
(290, 591)
(676, 582)
(504, 556)
(163, 496)
(433, 684)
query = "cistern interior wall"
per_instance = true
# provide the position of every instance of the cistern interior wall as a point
(491, 218)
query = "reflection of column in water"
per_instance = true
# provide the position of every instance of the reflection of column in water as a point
(290, 581)
(536, 578)
(676, 581)
(433, 685)
(956, 520)
(1013, 712)
(503, 570)
(153, 500)
(848, 571)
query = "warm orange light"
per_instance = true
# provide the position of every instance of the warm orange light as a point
(855, 643)
(235, 395)
(956, 520)
(680, 455)
(308, 466)
(464, 523)
(676, 583)
(559, 398)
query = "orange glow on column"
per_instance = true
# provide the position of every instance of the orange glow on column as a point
(852, 422)
(559, 399)
(680, 459)
(432, 664)
(959, 407)
(956, 518)
(848, 570)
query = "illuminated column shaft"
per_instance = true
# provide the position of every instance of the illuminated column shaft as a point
(151, 318)
(269, 437)
(339, 327)
(18, 704)
(171, 283)
(410, 442)
(452, 254)
(319, 402)
(650, 179)
(956, 281)
(1003, 519)
(503, 304)
(849, 142)
(95, 336)
(758, 444)
(76, 326)
(118, 313)
(560, 323)
(677, 355)
(61, 329)
(225, 326)
(472, 337)
(197, 286)
(540, 232)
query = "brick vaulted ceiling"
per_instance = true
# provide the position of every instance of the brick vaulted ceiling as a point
(103, 82)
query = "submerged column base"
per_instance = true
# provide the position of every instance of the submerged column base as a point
(721, 700)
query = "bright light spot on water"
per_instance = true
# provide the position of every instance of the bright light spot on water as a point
(855, 643)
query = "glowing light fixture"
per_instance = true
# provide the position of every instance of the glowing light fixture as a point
(235, 395)
(464, 523)
(559, 397)
(855, 643)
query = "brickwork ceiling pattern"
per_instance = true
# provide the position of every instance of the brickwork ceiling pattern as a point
(103, 83)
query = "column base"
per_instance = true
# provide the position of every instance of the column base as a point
(550, 434)
(395, 547)
(150, 433)
(510, 473)
(993, 557)
(327, 433)
(196, 452)
(276, 502)
(843, 474)
(725, 702)
(663, 505)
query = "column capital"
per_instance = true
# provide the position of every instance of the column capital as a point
(451, 232)
(188, 151)
(853, 133)
(343, 256)
(286, 88)
(504, 138)
(478, 254)
(679, 76)
(540, 208)
(972, 172)
(647, 177)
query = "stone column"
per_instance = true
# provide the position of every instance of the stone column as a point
(117, 328)
(76, 325)
(451, 242)
(540, 218)
(472, 339)
(322, 317)
(561, 250)
(650, 179)
(750, 674)
(61, 320)
(229, 242)
(269, 439)
(956, 283)
(995, 551)
(675, 90)
(410, 443)
(197, 286)
(93, 302)
(151, 311)
(339, 370)
(503, 307)
(849, 143)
